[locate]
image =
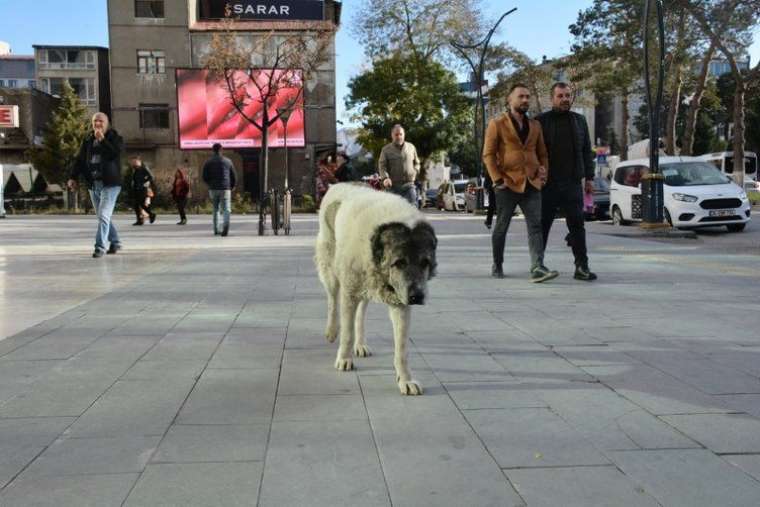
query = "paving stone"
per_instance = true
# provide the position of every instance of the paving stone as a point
(297, 449)
(197, 485)
(138, 408)
(318, 408)
(383, 399)
(749, 463)
(69, 491)
(231, 397)
(721, 433)
(307, 371)
(459, 366)
(532, 437)
(437, 460)
(186, 345)
(213, 443)
(91, 456)
(601, 486)
(688, 478)
(505, 394)
(166, 370)
(546, 365)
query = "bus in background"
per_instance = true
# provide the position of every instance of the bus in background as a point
(725, 162)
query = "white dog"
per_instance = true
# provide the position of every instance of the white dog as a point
(372, 245)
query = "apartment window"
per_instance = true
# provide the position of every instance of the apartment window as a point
(67, 59)
(149, 9)
(85, 89)
(32, 83)
(12, 83)
(154, 116)
(2, 83)
(151, 62)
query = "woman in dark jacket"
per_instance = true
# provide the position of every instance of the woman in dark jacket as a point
(99, 163)
(180, 191)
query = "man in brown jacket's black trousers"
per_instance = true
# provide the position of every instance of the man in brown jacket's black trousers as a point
(516, 159)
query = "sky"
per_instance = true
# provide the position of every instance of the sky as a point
(536, 28)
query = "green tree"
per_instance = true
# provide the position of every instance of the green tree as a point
(423, 97)
(61, 139)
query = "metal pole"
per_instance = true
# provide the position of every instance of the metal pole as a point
(480, 105)
(652, 183)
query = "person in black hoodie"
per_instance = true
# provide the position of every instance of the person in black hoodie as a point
(219, 175)
(99, 164)
(568, 142)
(142, 186)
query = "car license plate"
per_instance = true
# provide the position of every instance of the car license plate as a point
(721, 212)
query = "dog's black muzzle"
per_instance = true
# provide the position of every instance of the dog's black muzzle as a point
(416, 297)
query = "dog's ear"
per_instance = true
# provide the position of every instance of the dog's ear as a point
(425, 240)
(384, 235)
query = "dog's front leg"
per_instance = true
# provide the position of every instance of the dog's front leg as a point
(348, 304)
(400, 316)
(360, 342)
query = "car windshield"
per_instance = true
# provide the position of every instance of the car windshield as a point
(689, 174)
(459, 187)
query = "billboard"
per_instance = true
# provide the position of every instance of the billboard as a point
(207, 115)
(263, 9)
(9, 117)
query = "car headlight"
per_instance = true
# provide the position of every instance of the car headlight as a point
(743, 196)
(685, 197)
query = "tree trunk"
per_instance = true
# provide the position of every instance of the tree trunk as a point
(695, 104)
(624, 131)
(738, 143)
(675, 102)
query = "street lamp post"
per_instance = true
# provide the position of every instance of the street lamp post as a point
(285, 113)
(478, 71)
(652, 183)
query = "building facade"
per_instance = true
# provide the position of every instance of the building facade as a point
(86, 68)
(150, 40)
(17, 71)
(35, 110)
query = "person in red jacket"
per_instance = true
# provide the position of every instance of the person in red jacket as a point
(180, 191)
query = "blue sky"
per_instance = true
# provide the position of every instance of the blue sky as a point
(537, 28)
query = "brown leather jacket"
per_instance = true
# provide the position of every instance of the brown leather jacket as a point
(508, 159)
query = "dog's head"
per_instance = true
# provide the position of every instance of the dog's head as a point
(405, 259)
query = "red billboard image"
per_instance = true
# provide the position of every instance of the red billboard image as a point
(207, 114)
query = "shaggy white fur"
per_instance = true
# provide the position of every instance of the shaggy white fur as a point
(349, 217)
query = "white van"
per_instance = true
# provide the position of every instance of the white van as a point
(696, 194)
(724, 161)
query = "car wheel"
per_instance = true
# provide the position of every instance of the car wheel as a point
(667, 217)
(617, 217)
(736, 227)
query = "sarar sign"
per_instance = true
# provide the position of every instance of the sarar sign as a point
(264, 9)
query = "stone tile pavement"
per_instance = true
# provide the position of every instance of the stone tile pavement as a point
(191, 370)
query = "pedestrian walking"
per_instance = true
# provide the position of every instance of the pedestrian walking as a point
(571, 160)
(98, 162)
(399, 166)
(219, 175)
(180, 193)
(325, 177)
(345, 170)
(143, 185)
(515, 157)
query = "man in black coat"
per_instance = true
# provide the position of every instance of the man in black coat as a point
(143, 185)
(219, 175)
(568, 143)
(99, 164)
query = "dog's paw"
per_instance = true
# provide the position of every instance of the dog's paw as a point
(410, 387)
(344, 364)
(331, 334)
(362, 351)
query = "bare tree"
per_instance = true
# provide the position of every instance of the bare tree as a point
(695, 102)
(268, 64)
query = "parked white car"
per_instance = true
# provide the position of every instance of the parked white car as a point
(452, 195)
(696, 194)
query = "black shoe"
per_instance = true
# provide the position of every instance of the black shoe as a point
(152, 217)
(97, 254)
(542, 274)
(139, 222)
(497, 271)
(569, 240)
(113, 248)
(583, 273)
(182, 222)
(487, 223)
(226, 230)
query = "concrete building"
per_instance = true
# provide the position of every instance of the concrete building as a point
(86, 68)
(35, 109)
(720, 66)
(150, 40)
(17, 71)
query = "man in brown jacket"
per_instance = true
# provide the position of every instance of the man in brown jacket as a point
(516, 159)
